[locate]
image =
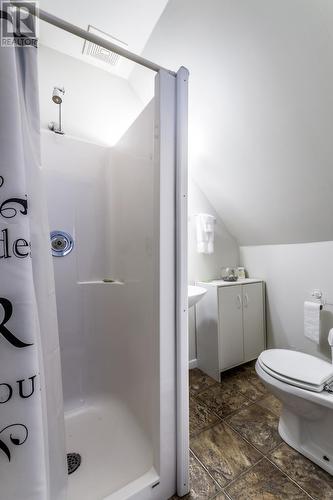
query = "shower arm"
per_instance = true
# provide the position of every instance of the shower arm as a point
(53, 126)
(60, 124)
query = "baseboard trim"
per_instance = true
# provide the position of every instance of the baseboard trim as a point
(193, 363)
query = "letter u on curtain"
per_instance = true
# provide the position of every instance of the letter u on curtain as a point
(32, 450)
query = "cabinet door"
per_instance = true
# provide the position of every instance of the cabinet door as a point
(253, 320)
(231, 349)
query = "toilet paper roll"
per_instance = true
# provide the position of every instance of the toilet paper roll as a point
(312, 321)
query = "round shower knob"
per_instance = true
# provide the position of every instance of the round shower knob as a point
(61, 243)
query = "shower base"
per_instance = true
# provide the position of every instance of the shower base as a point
(113, 447)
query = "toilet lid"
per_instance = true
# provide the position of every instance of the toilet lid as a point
(299, 368)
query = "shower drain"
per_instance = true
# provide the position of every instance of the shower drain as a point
(73, 462)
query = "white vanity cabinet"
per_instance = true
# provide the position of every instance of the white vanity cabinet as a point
(230, 322)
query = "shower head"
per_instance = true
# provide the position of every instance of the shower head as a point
(57, 94)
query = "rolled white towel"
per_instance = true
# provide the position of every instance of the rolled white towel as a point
(205, 233)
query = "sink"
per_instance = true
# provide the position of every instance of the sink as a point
(195, 293)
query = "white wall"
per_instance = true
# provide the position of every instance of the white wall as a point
(291, 273)
(206, 267)
(261, 110)
(97, 106)
(261, 116)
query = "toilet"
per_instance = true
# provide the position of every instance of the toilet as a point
(302, 383)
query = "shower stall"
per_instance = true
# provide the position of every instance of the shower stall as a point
(121, 296)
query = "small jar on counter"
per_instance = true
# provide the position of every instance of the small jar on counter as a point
(241, 273)
(229, 274)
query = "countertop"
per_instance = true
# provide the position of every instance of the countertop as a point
(218, 283)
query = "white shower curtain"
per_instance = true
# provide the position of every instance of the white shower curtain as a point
(32, 450)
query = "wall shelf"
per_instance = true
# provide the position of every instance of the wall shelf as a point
(100, 282)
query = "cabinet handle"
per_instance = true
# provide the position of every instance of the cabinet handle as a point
(246, 300)
(239, 302)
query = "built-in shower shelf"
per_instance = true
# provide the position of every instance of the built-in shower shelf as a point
(100, 282)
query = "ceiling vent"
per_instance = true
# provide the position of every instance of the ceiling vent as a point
(92, 50)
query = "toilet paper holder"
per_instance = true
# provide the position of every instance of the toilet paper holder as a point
(318, 295)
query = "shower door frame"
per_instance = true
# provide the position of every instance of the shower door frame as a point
(171, 94)
(182, 341)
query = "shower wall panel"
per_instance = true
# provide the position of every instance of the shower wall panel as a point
(132, 243)
(116, 301)
(74, 176)
(109, 333)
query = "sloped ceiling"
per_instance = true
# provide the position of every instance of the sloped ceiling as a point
(261, 110)
(130, 21)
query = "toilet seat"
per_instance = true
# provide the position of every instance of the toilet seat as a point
(297, 368)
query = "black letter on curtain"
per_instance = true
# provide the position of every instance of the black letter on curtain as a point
(8, 308)
(10, 212)
(10, 393)
(21, 382)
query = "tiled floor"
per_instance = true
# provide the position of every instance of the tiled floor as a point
(236, 451)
